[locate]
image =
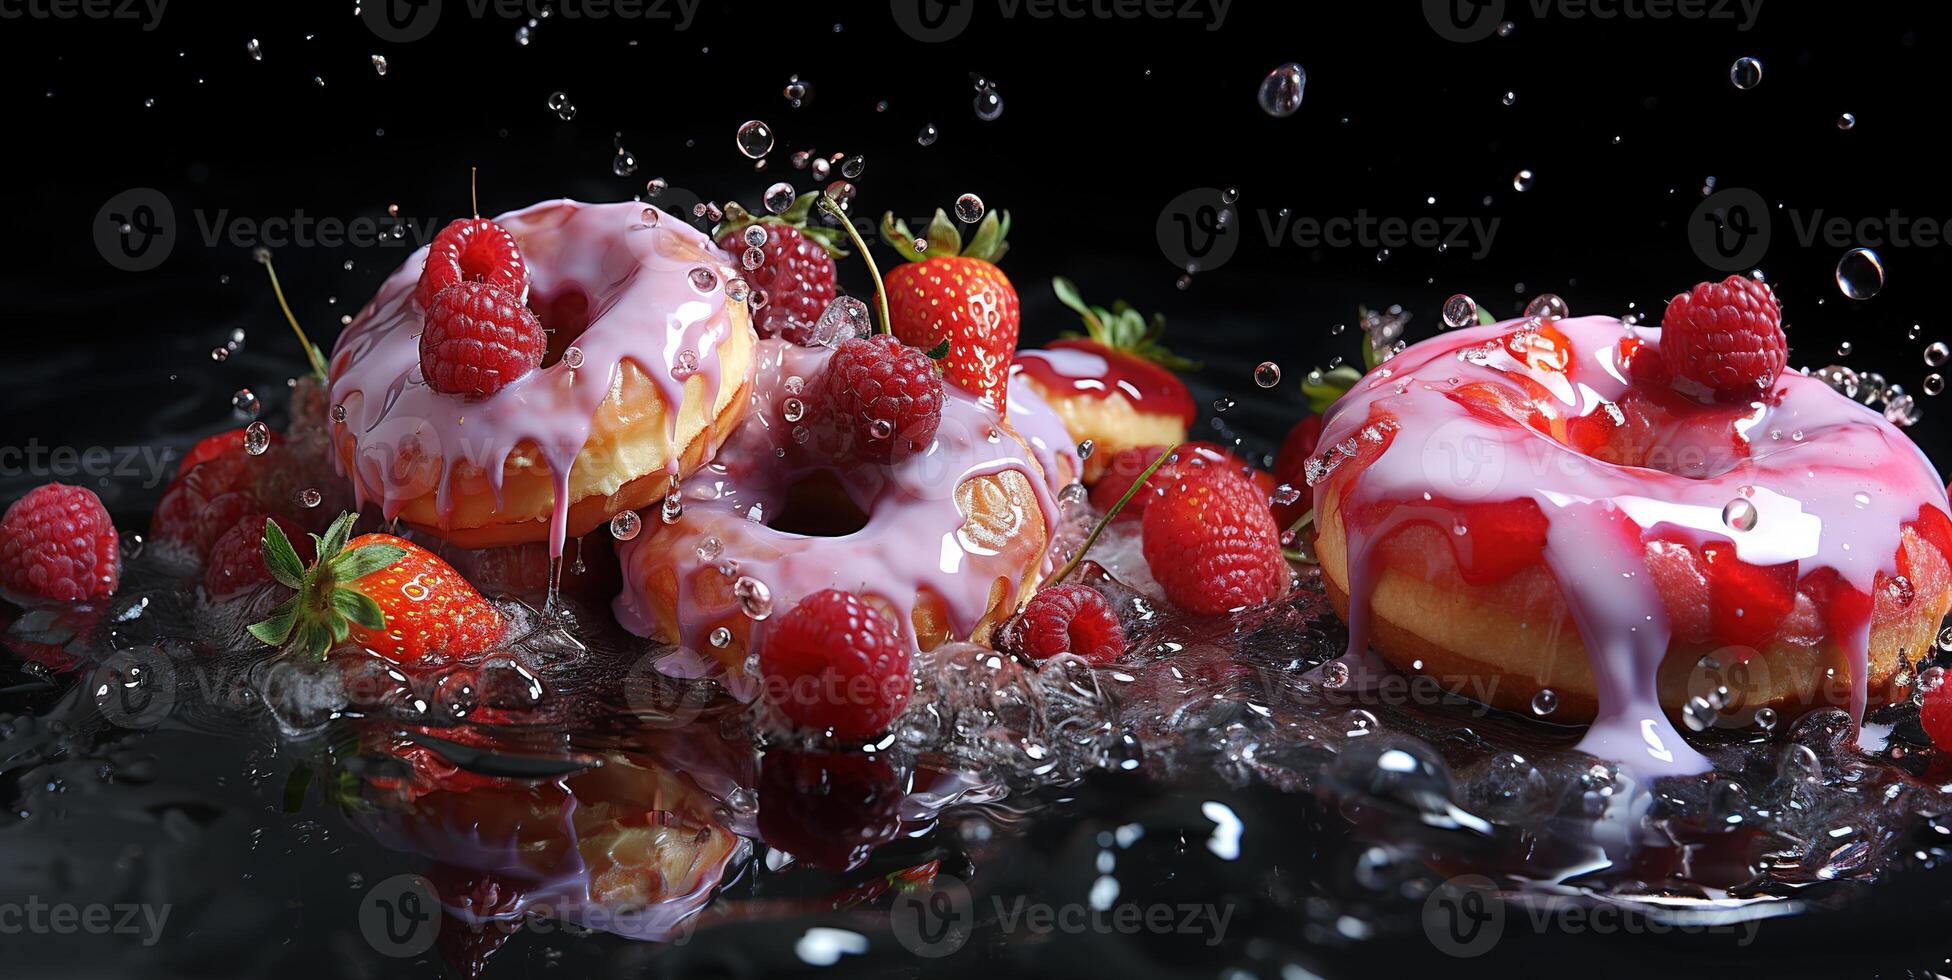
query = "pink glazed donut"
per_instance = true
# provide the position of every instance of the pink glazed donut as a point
(648, 364)
(948, 541)
(1531, 507)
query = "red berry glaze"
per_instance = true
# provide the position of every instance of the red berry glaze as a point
(58, 543)
(1727, 336)
(885, 397)
(797, 275)
(472, 250)
(1211, 542)
(837, 663)
(478, 338)
(1069, 618)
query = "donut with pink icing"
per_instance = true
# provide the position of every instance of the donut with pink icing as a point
(1531, 507)
(650, 355)
(948, 540)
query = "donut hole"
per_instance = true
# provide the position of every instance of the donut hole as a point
(819, 507)
(564, 316)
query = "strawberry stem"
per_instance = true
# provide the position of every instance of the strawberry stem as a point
(833, 210)
(311, 353)
(1105, 521)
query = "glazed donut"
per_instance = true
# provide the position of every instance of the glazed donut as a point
(1530, 506)
(659, 377)
(1115, 399)
(948, 541)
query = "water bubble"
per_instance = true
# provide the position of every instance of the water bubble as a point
(1086, 448)
(1847, 122)
(1844, 349)
(779, 197)
(840, 192)
(687, 364)
(1745, 73)
(1765, 719)
(1545, 702)
(1268, 374)
(625, 525)
(709, 549)
(703, 279)
(560, 105)
(752, 258)
(928, 135)
(672, 509)
(844, 318)
(1335, 674)
(755, 599)
(255, 50)
(1860, 273)
(338, 413)
(1902, 411)
(1698, 714)
(1937, 354)
(1739, 514)
(796, 91)
(1522, 181)
(257, 438)
(988, 105)
(852, 166)
(755, 139)
(737, 290)
(1934, 384)
(220, 354)
(969, 209)
(1509, 97)
(1281, 90)
(379, 64)
(1460, 311)
(310, 497)
(880, 429)
(573, 357)
(720, 638)
(1547, 306)
(755, 235)
(624, 163)
(793, 410)
(245, 404)
(654, 187)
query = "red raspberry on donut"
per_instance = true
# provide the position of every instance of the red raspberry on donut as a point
(795, 270)
(478, 339)
(472, 250)
(1211, 542)
(836, 663)
(1068, 618)
(885, 396)
(1726, 336)
(58, 543)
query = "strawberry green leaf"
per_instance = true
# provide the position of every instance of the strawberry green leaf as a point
(359, 608)
(1324, 389)
(350, 566)
(988, 244)
(1067, 293)
(943, 237)
(939, 351)
(1485, 317)
(1120, 328)
(281, 558)
(336, 535)
(313, 641)
(273, 631)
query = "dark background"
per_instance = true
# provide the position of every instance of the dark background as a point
(1622, 119)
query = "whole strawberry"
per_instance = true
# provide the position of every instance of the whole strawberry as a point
(1133, 345)
(795, 266)
(387, 594)
(951, 292)
(1727, 337)
(1211, 543)
(58, 543)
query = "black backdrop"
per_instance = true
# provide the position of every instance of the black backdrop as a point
(1622, 119)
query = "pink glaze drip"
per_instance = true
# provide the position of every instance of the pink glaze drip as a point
(643, 307)
(1836, 498)
(912, 539)
(1044, 431)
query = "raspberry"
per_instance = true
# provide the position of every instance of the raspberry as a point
(237, 557)
(1211, 542)
(1727, 336)
(885, 397)
(58, 543)
(797, 275)
(472, 250)
(1127, 464)
(828, 809)
(478, 339)
(1291, 470)
(1068, 618)
(836, 663)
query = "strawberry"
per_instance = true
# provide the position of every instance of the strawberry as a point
(1130, 344)
(1211, 542)
(387, 594)
(1726, 336)
(795, 267)
(954, 294)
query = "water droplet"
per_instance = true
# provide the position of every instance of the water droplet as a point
(1545, 702)
(686, 366)
(1698, 714)
(1522, 181)
(840, 192)
(1282, 89)
(796, 91)
(969, 209)
(928, 134)
(379, 64)
(245, 404)
(1937, 354)
(852, 166)
(338, 413)
(1934, 384)
(1765, 719)
(673, 508)
(1286, 495)
(709, 549)
(654, 187)
(755, 139)
(1268, 374)
(1086, 448)
(752, 258)
(257, 438)
(310, 497)
(220, 354)
(1745, 73)
(1460, 311)
(560, 105)
(573, 357)
(779, 197)
(880, 429)
(1335, 674)
(255, 50)
(1902, 411)
(1739, 514)
(844, 318)
(1509, 97)
(755, 599)
(1547, 306)
(1860, 273)
(820, 168)
(624, 163)
(1847, 122)
(720, 638)
(988, 105)
(737, 290)
(703, 279)
(625, 525)
(793, 409)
